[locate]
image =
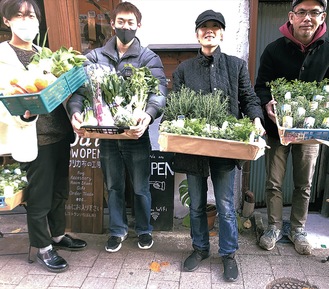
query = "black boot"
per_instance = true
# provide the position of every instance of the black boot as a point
(231, 271)
(52, 262)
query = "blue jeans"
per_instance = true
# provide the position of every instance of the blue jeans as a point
(222, 175)
(116, 157)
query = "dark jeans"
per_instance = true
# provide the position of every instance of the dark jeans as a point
(47, 192)
(134, 155)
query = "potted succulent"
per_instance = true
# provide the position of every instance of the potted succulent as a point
(185, 200)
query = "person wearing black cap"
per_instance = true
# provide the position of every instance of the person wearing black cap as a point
(209, 71)
(302, 53)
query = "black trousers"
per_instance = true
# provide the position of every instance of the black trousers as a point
(47, 192)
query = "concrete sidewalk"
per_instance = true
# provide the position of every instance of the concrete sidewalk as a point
(130, 267)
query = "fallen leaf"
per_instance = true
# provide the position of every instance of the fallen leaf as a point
(155, 267)
(16, 231)
(164, 264)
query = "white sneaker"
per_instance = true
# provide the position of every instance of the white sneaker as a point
(302, 246)
(271, 235)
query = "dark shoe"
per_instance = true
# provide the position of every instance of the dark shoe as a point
(145, 241)
(192, 262)
(114, 243)
(52, 262)
(231, 271)
(70, 244)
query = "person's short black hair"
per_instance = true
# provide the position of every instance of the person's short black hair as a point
(10, 8)
(127, 7)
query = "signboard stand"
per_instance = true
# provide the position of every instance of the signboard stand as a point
(84, 208)
(162, 191)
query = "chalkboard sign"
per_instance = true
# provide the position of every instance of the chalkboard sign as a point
(162, 191)
(84, 208)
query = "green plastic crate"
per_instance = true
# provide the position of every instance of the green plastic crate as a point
(49, 98)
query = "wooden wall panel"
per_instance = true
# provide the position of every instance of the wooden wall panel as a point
(63, 23)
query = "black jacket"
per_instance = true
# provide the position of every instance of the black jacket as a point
(207, 74)
(283, 58)
(136, 55)
(224, 72)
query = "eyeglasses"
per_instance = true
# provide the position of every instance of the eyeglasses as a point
(312, 13)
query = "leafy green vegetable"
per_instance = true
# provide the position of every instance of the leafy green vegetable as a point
(58, 62)
(123, 95)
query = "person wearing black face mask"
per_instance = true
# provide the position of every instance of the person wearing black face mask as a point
(126, 157)
(125, 35)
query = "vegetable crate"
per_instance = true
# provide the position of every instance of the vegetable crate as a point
(302, 135)
(106, 132)
(7, 204)
(49, 98)
(213, 147)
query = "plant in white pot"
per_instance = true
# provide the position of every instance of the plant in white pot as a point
(186, 201)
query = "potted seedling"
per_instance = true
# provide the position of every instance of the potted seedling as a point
(186, 201)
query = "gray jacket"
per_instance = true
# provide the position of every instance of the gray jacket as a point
(136, 55)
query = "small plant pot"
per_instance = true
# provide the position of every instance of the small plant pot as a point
(211, 215)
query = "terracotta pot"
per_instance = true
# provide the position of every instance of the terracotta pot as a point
(211, 215)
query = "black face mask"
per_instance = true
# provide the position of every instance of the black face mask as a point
(125, 35)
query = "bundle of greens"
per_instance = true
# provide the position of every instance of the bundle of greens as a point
(115, 99)
(58, 62)
(12, 176)
(301, 104)
(204, 115)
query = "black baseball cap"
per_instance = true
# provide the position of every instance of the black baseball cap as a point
(322, 2)
(209, 15)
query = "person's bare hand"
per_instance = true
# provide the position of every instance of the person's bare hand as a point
(143, 120)
(258, 124)
(28, 114)
(76, 122)
(270, 110)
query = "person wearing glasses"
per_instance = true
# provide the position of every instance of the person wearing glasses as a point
(302, 53)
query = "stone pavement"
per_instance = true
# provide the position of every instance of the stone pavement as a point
(130, 267)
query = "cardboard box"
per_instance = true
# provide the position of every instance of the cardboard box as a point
(303, 136)
(211, 146)
(12, 202)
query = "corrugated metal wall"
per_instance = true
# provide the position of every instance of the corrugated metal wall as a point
(257, 182)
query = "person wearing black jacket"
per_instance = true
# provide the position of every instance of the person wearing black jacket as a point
(302, 53)
(209, 71)
(126, 157)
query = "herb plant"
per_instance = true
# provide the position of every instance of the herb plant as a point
(299, 101)
(205, 116)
